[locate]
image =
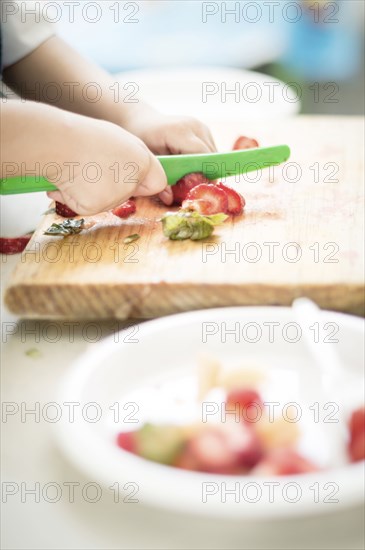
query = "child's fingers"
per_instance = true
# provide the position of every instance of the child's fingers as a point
(202, 132)
(166, 196)
(199, 145)
(189, 145)
(208, 138)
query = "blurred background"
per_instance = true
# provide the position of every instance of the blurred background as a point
(315, 46)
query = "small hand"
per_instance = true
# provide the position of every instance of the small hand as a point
(170, 135)
(121, 166)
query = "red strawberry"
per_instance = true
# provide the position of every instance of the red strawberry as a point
(356, 445)
(357, 448)
(127, 441)
(201, 206)
(125, 210)
(282, 462)
(64, 211)
(249, 403)
(244, 142)
(208, 452)
(207, 199)
(185, 184)
(227, 448)
(236, 202)
(246, 444)
(14, 245)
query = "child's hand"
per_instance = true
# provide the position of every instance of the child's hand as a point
(95, 165)
(111, 165)
(170, 135)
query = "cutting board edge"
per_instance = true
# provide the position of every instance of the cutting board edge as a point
(155, 300)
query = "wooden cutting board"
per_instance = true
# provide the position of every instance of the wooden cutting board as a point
(301, 234)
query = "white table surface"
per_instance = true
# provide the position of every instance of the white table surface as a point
(30, 455)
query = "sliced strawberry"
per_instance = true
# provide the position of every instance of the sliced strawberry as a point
(227, 448)
(186, 184)
(236, 202)
(64, 211)
(282, 462)
(357, 448)
(125, 210)
(245, 443)
(207, 199)
(201, 206)
(208, 452)
(244, 142)
(357, 422)
(249, 402)
(356, 445)
(14, 245)
(127, 441)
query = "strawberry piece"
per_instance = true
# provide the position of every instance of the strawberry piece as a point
(244, 142)
(356, 446)
(228, 448)
(14, 245)
(181, 189)
(127, 441)
(208, 452)
(236, 202)
(248, 448)
(249, 403)
(125, 210)
(207, 199)
(282, 462)
(357, 422)
(201, 206)
(64, 211)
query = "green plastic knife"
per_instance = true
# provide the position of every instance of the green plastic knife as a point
(213, 166)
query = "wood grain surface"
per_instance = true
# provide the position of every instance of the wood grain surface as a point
(302, 233)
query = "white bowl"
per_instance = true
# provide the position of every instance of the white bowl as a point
(166, 349)
(22, 213)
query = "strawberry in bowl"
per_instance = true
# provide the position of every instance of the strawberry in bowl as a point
(242, 439)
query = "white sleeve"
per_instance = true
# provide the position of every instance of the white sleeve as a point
(23, 29)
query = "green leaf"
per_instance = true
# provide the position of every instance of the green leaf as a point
(217, 219)
(131, 238)
(201, 229)
(186, 224)
(175, 226)
(67, 227)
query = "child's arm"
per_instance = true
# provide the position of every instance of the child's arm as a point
(56, 62)
(62, 145)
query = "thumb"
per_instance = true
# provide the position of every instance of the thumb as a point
(155, 180)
